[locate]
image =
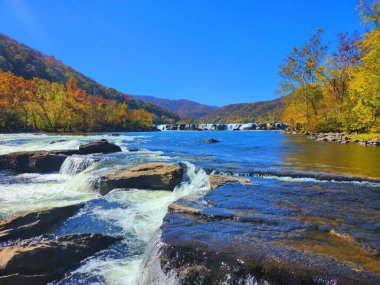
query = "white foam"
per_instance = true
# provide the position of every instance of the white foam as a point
(140, 215)
(75, 164)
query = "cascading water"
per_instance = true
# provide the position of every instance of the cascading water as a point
(75, 164)
(137, 216)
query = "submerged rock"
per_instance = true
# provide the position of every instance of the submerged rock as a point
(35, 223)
(211, 141)
(150, 176)
(101, 146)
(43, 262)
(219, 180)
(50, 161)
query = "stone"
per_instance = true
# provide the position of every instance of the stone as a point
(34, 161)
(219, 180)
(150, 176)
(101, 146)
(35, 223)
(211, 141)
(42, 262)
(50, 161)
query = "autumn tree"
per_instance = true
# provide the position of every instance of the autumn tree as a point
(300, 76)
(365, 85)
(369, 10)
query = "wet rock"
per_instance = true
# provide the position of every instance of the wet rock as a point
(195, 261)
(211, 141)
(42, 262)
(50, 161)
(35, 223)
(18, 279)
(101, 146)
(57, 141)
(250, 234)
(219, 180)
(151, 176)
(133, 149)
(34, 161)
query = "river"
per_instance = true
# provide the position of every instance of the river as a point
(299, 169)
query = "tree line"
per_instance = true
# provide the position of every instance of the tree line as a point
(338, 91)
(40, 105)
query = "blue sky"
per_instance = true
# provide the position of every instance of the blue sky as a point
(212, 51)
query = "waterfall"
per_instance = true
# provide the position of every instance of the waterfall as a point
(75, 164)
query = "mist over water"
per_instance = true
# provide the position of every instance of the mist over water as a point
(138, 214)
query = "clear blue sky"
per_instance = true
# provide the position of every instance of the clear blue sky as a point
(212, 51)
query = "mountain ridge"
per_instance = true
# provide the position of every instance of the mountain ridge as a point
(261, 111)
(185, 108)
(28, 63)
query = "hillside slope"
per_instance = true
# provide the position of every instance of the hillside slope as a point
(264, 111)
(24, 61)
(184, 108)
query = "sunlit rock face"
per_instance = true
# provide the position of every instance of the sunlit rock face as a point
(264, 231)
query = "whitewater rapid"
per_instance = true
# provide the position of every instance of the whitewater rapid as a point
(135, 214)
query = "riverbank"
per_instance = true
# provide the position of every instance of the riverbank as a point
(341, 137)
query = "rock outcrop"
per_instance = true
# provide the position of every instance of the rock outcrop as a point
(101, 146)
(268, 232)
(43, 262)
(150, 176)
(50, 161)
(35, 223)
(34, 161)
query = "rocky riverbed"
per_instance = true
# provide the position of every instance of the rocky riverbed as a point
(142, 217)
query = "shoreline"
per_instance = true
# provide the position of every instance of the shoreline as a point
(338, 137)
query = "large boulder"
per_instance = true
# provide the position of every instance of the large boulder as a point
(101, 146)
(50, 161)
(35, 161)
(35, 223)
(43, 262)
(152, 176)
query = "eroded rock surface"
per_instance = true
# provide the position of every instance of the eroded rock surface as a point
(50, 161)
(34, 161)
(42, 262)
(101, 146)
(31, 224)
(219, 180)
(267, 231)
(150, 176)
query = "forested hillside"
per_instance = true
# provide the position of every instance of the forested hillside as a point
(23, 61)
(265, 111)
(184, 108)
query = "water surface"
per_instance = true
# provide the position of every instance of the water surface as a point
(137, 214)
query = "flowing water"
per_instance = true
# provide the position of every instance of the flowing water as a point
(282, 167)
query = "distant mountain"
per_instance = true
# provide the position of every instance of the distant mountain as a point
(184, 108)
(264, 111)
(24, 61)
